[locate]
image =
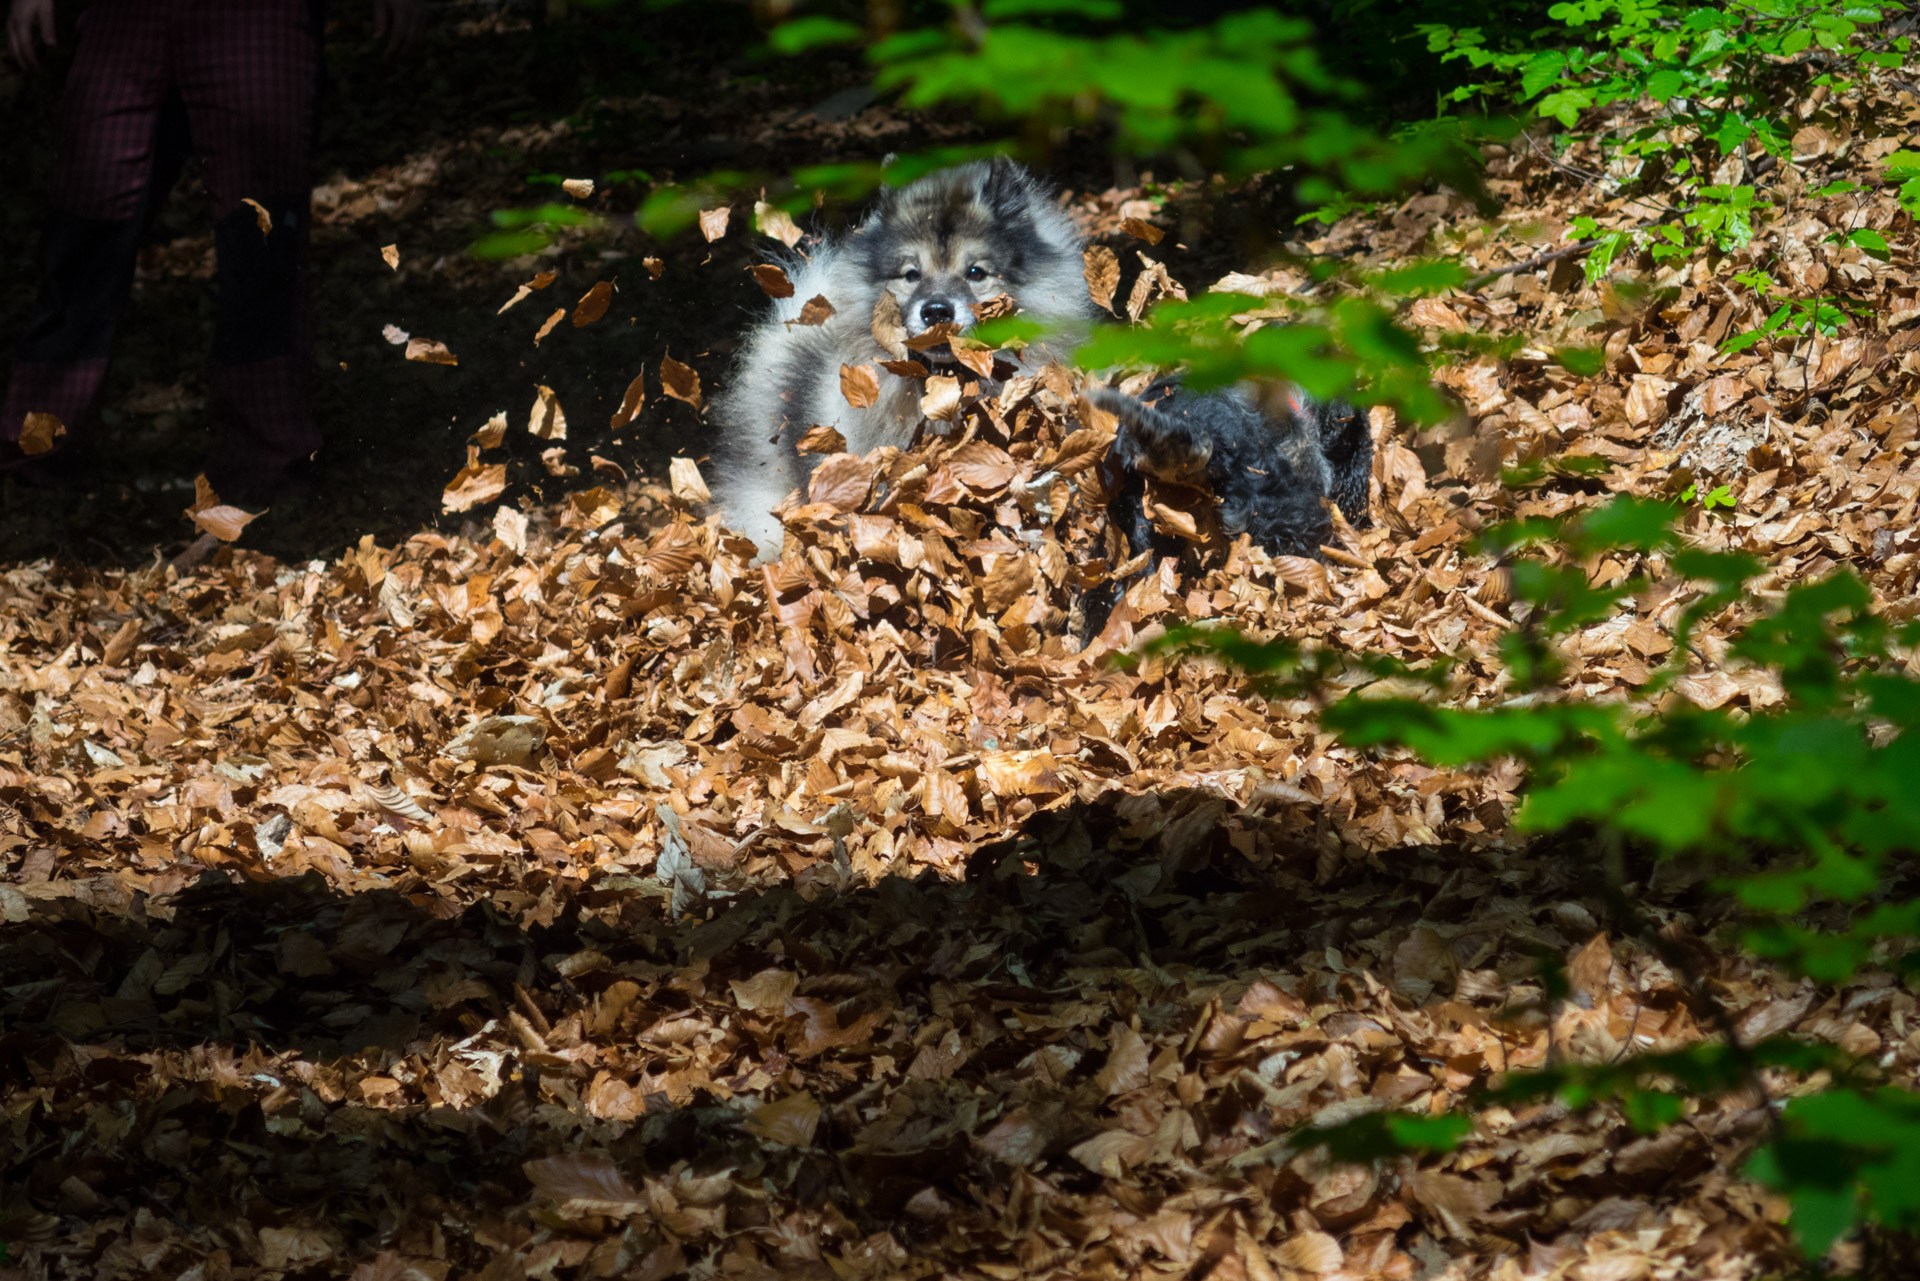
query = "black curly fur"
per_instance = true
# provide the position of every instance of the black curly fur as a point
(1269, 466)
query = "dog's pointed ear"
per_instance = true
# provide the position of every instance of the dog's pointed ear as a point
(886, 195)
(1005, 186)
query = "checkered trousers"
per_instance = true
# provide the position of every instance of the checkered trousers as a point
(246, 73)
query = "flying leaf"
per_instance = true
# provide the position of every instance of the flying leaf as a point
(546, 421)
(222, 521)
(39, 431)
(816, 311)
(821, 440)
(679, 381)
(631, 402)
(593, 304)
(391, 253)
(261, 218)
(578, 188)
(428, 351)
(777, 223)
(1141, 229)
(860, 385)
(474, 484)
(540, 281)
(772, 280)
(889, 330)
(713, 223)
(547, 328)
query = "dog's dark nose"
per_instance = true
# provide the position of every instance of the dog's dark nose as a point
(936, 312)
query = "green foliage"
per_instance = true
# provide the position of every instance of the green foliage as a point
(1381, 1134)
(1795, 317)
(1718, 496)
(1808, 805)
(1903, 167)
(1350, 349)
(1842, 1153)
(1723, 72)
(1723, 76)
(524, 231)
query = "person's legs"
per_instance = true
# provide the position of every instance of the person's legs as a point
(102, 167)
(247, 71)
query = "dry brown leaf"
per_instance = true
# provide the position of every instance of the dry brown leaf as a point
(1141, 229)
(547, 326)
(981, 466)
(791, 1122)
(1314, 1252)
(510, 527)
(546, 421)
(631, 403)
(1112, 1152)
(38, 431)
(474, 484)
(842, 482)
(593, 304)
(1589, 970)
(583, 1183)
(261, 218)
(390, 254)
(1102, 270)
(941, 402)
(773, 283)
(688, 485)
(654, 267)
(680, 381)
(777, 223)
(821, 440)
(859, 385)
(430, 352)
(815, 311)
(492, 432)
(713, 223)
(889, 329)
(578, 188)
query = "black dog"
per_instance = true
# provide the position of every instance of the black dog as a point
(1270, 457)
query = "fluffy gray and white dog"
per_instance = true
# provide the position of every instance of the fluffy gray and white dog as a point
(938, 248)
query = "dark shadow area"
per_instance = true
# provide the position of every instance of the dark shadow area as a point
(384, 1064)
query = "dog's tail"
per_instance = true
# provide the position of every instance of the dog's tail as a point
(1154, 441)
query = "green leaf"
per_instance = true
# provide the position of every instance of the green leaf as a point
(1094, 10)
(812, 31)
(1662, 85)
(1872, 243)
(1583, 362)
(509, 244)
(1541, 70)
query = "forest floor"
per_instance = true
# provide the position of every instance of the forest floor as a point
(538, 889)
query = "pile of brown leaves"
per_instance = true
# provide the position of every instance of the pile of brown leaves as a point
(591, 902)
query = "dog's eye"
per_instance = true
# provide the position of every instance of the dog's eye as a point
(976, 272)
(910, 275)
